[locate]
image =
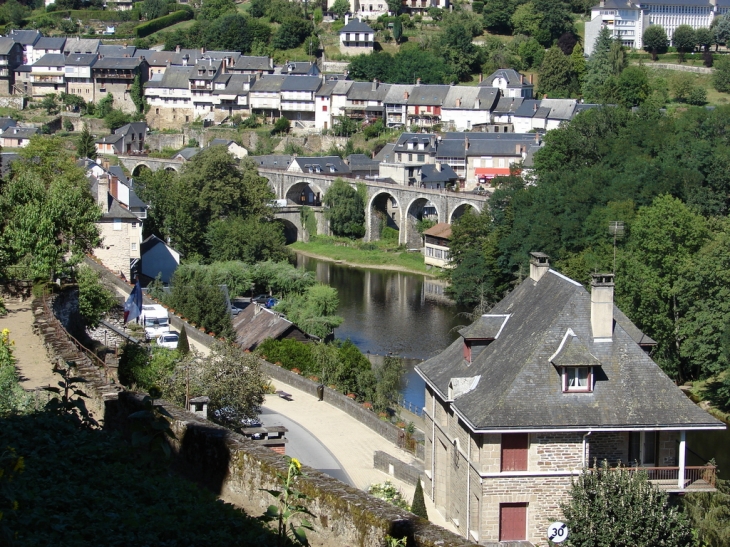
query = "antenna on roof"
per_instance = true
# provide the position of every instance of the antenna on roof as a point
(616, 229)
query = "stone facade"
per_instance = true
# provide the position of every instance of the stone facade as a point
(120, 244)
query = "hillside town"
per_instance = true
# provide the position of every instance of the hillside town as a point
(394, 273)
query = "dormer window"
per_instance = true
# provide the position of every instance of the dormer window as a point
(577, 379)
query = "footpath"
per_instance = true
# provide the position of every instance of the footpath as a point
(349, 441)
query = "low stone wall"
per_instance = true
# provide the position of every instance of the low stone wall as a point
(396, 468)
(681, 68)
(238, 469)
(12, 102)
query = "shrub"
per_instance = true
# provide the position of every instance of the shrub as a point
(697, 96)
(281, 126)
(150, 27)
(388, 492)
(418, 507)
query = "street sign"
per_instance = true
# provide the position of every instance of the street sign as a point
(557, 532)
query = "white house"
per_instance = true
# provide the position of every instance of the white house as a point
(356, 37)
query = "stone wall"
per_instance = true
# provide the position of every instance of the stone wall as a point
(238, 469)
(668, 444)
(158, 141)
(12, 102)
(396, 468)
(613, 447)
(555, 451)
(681, 68)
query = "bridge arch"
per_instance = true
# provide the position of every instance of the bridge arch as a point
(418, 209)
(383, 210)
(291, 230)
(140, 167)
(304, 193)
(171, 168)
(460, 209)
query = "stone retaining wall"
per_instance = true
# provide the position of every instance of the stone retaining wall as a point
(681, 68)
(238, 469)
(396, 468)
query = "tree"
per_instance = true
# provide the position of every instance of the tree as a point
(567, 42)
(705, 38)
(85, 146)
(461, 54)
(685, 40)
(599, 67)
(94, 299)
(215, 9)
(526, 20)
(622, 508)
(202, 302)
(250, 240)
(418, 507)
(105, 106)
(430, 68)
(556, 75)
(682, 84)
(497, 15)
(116, 119)
(722, 30)
(633, 85)
(292, 33)
(49, 214)
(314, 310)
(394, 6)
(50, 103)
(397, 30)
(346, 210)
(655, 40)
(388, 381)
(13, 12)
(721, 74)
(136, 95)
(152, 9)
(340, 8)
(183, 345)
(281, 126)
(578, 61)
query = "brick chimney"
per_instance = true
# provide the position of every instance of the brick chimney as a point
(539, 265)
(602, 305)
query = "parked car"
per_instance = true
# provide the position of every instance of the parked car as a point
(271, 302)
(235, 310)
(260, 299)
(168, 340)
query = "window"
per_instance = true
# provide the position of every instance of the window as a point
(512, 521)
(421, 157)
(134, 224)
(514, 451)
(410, 157)
(117, 223)
(134, 246)
(642, 448)
(324, 108)
(577, 379)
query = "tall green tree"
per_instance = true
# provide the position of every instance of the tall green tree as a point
(606, 61)
(346, 210)
(47, 209)
(556, 75)
(655, 40)
(215, 9)
(721, 74)
(685, 40)
(94, 299)
(460, 53)
(397, 30)
(136, 94)
(622, 509)
(314, 311)
(340, 8)
(722, 30)
(418, 507)
(250, 240)
(85, 146)
(497, 15)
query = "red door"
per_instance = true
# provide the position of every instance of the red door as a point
(514, 451)
(512, 521)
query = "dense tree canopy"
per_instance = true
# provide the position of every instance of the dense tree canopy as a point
(346, 210)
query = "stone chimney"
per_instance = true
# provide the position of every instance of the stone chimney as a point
(418, 81)
(102, 193)
(602, 305)
(375, 85)
(177, 49)
(539, 265)
(347, 19)
(466, 143)
(481, 77)
(537, 138)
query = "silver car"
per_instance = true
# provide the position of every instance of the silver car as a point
(168, 340)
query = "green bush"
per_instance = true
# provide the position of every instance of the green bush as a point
(389, 234)
(144, 369)
(290, 353)
(150, 27)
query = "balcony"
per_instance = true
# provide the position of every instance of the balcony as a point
(695, 479)
(46, 79)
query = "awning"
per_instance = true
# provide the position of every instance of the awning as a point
(486, 173)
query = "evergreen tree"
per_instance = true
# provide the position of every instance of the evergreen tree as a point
(598, 67)
(578, 61)
(397, 30)
(622, 509)
(721, 74)
(418, 507)
(556, 75)
(183, 345)
(85, 147)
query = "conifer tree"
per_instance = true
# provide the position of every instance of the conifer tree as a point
(598, 68)
(183, 346)
(85, 146)
(418, 507)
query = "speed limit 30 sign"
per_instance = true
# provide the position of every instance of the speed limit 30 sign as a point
(557, 532)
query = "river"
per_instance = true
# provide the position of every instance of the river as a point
(394, 313)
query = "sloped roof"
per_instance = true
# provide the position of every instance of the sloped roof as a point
(47, 42)
(429, 173)
(269, 83)
(521, 389)
(20, 132)
(398, 94)
(51, 59)
(442, 229)
(507, 105)
(428, 95)
(387, 150)
(273, 161)
(300, 68)
(342, 87)
(116, 50)
(355, 25)
(451, 148)
(326, 89)
(120, 63)
(254, 324)
(461, 97)
(301, 83)
(514, 79)
(6, 45)
(186, 153)
(246, 62)
(616, 4)
(560, 109)
(486, 327)
(82, 45)
(363, 91)
(174, 77)
(25, 37)
(325, 163)
(81, 59)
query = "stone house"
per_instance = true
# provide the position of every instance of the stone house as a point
(298, 99)
(424, 104)
(356, 37)
(264, 98)
(396, 105)
(115, 75)
(78, 75)
(17, 137)
(530, 394)
(27, 39)
(46, 45)
(365, 101)
(157, 258)
(11, 57)
(468, 108)
(128, 139)
(169, 97)
(47, 75)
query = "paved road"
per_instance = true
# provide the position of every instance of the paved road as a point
(306, 447)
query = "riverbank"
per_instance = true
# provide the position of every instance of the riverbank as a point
(376, 260)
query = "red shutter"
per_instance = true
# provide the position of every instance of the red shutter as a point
(514, 451)
(512, 521)
(467, 351)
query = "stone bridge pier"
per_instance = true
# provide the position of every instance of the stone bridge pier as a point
(387, 205)
(135, 164)
(291, 217)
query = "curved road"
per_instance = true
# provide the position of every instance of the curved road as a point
(306, 447)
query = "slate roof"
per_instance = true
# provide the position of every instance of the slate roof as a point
(20, 132)
(514, 78)
(205, 70)
(301, 68)
(301, 83)
(6, 45)
(461, 97)
(47, 42)
(81, 45)
(116, 51)
(254, 324)
(273, 161)
(363, 165)
(134, 127)
(508, 105)
(81, 59)
(560, 109)
(397, 94)
(271, 83)
(342, 87)
(428, 95)
(387, 150)
(326, 89)
(487, 327)
(616, 4)
(25, 37)
(451, 148)
(174, 77)
(6, 123)
(498, 147)
(110, 139)
(429, 173)
(442, 230)
(518, 387)
(119, 63)
(401, 144)
(355, 25)
(363, 91)
(323, 162)
(253, 63)
(186, 153)
(51, 59)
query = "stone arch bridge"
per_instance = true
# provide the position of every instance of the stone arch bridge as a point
(134, 164)
(397, 206)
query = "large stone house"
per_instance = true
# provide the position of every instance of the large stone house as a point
(11, 57)
(553, 378)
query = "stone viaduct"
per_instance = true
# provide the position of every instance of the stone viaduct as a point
(400, 207)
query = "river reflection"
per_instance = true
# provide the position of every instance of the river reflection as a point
(387, 312)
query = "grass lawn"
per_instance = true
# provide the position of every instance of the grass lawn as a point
(382, 256)
(714, 97)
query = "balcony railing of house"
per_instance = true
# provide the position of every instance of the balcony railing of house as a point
(114, 74)
(696, 479)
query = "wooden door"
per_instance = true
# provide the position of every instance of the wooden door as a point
(514, 451)
(512, 521)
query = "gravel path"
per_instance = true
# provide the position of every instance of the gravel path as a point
(33, 365)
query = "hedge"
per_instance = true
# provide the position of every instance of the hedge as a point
(150, 27)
